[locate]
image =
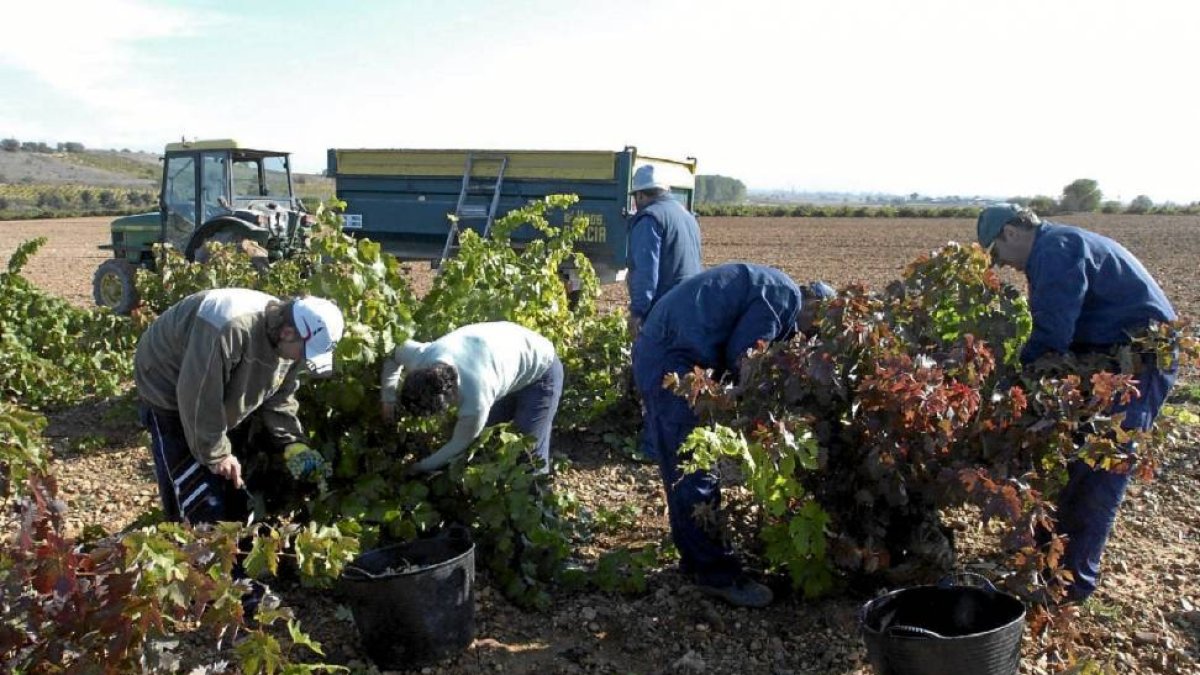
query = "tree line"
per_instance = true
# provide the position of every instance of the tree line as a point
(14, 145)
(1085, 196)
(713, 189)
(61, 201)
(1080, 196)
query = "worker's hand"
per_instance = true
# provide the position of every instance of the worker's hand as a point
(229, 468)
(423, 466)
(388, 412)
(304, 463)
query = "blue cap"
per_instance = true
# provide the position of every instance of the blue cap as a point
(993, 219)
(821, 290)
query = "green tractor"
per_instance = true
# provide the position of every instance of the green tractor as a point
(211, 191)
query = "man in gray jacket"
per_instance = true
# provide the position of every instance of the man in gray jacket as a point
(209, 363)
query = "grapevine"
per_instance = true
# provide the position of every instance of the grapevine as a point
(906, 402)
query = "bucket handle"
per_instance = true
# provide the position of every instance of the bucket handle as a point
(967, 579)
(353, 570)
(912, 632)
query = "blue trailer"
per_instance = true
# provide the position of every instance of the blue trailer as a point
(404, 199)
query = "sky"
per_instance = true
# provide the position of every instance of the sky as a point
(939, 97)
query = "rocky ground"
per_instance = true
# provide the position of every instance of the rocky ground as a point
(1144, 619)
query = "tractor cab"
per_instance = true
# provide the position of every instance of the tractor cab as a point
(212, 191)
(217, 188)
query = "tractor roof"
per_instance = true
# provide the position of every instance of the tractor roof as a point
(218, 144)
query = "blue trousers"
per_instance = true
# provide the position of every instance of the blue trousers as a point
(532, 410)
(668, 422)
(1088, 505)
(188, 490)
(191, 493)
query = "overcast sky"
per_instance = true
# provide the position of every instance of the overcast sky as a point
(939, 97)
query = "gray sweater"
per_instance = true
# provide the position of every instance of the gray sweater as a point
(209, 359)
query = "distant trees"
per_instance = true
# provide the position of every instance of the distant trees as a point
(808, 210)
(140, 198)
(14, 145)
(1084, 196)
(713, 189)
(1141, 204)
(51, 200)
(1043, 205)
(1081, 195)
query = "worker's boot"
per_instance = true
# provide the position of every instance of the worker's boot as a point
(742, 592)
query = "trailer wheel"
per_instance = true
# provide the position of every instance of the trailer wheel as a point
(114, 285)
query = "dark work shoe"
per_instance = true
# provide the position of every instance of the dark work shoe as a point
(743, 592)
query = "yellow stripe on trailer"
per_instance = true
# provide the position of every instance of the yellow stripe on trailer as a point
(529, 164)
(676, 173)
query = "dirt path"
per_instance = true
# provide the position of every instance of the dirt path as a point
(65, 264)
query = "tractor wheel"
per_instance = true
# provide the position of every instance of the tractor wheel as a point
(258, 255)
(114, 285)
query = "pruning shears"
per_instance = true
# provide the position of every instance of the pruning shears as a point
(252, 504)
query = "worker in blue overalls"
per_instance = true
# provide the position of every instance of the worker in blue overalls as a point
(710, 320)
(664, 244)
(664, 249)
(1087, 294)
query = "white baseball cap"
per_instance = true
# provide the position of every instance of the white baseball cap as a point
(644, 179)
(320, 324)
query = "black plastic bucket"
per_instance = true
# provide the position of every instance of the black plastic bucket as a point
(414, 603)
(947, 629)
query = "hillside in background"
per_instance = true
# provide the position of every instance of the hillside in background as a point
(36, 181)
(94, 168)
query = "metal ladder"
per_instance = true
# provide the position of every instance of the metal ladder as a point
(477, 201)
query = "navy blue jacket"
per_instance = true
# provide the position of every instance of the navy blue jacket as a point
(1086, 292)
(664, 249)
(712, 318)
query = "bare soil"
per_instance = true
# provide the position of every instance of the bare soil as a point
(1144, 619)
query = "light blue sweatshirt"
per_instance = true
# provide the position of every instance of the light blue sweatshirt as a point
(492, 360)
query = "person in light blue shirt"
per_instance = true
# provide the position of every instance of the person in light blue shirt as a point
(1087, 294)
(664, 244)
(710, 321)
(493, 372)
